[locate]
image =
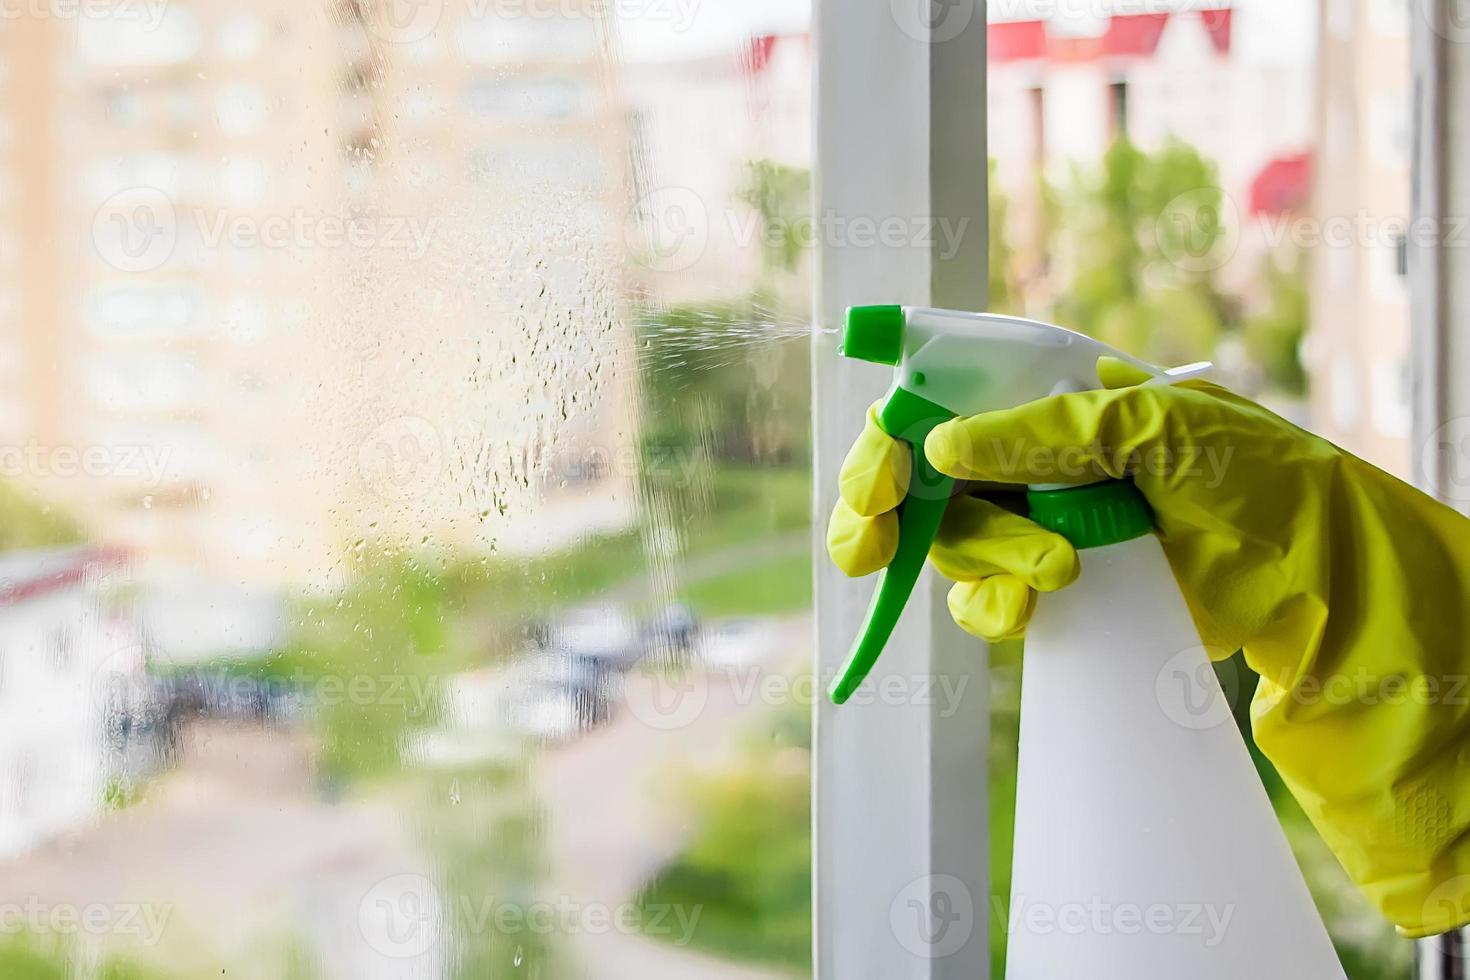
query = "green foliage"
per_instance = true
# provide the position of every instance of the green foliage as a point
(1273, 336)
(748, 871)
(374, 659)
(27, 960)
(1135, 245)
(25, 523)
(120, 793)
(1003, 294)
(491, 860)
(781, 194)
(298, 960)
(24, 957)
(725, 380)
(1141, 240)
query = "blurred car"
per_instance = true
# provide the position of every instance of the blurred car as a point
(544, 714)
(603, 634)
(596, 633)
(672, 633)
(553, 697)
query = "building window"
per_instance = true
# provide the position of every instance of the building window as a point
(1118, 109)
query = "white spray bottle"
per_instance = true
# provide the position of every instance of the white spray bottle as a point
(1145, 847)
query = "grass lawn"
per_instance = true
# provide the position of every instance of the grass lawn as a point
(743, 505)
(25, 958)
(777, 586)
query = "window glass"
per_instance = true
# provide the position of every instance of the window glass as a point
(405, 559)
(527, 37)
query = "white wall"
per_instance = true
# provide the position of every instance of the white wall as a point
(59, 659)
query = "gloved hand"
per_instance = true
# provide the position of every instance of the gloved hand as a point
(1348, 590)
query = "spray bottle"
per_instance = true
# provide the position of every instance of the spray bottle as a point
(1145, 845)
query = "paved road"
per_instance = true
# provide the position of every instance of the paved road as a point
(231, 856)
(615, 813)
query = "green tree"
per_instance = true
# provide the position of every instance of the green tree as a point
(748, 867)
(1273, 336)
(1140, 241)
(781, 195)
(26, 523)
(721, 379)
(1004, 296)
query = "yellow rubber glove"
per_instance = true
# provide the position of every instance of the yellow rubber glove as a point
(1348, 590)
(998, 559)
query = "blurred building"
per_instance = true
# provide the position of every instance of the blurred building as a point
(66, 668)
(1224, 77)
(236, 328)
(499, 132)
(148, 325)
(1357, 350)
(1064, 87)
(699, 123)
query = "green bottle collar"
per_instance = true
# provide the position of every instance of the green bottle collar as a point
(1095, 515)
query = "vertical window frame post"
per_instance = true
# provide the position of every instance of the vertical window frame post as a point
(901, 198)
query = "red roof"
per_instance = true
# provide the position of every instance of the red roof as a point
(1283, 185)
(757, 54)
(759, 50)
(1126, 36)
(1134, 35)
(1218, 23)
(1017, 40)
(27, 574)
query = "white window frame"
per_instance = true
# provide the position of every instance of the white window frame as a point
(900, 772)
(1439, 275)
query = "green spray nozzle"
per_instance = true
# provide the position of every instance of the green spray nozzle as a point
(876, 333)
(948, 364)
